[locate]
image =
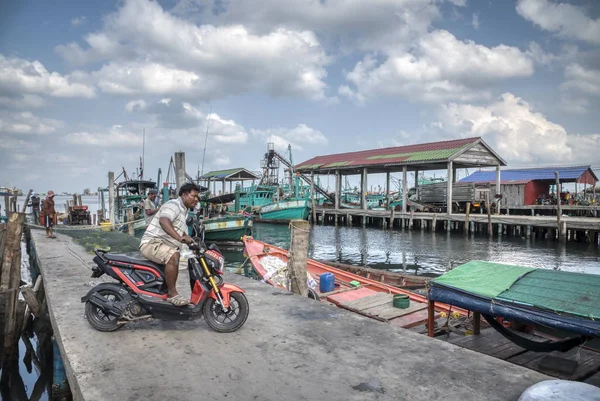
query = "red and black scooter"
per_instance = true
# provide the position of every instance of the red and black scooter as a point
(141, 293)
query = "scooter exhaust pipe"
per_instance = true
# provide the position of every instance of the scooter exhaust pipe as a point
(107, 307)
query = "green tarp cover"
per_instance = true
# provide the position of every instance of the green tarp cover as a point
(486, 279)
(574, 293)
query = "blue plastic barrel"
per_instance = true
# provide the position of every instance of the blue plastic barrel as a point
(326, 282)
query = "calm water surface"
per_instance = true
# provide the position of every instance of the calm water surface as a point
(422, 252)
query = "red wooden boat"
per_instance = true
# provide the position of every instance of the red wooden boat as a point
(353, 292)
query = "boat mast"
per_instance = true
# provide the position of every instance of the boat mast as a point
(143, 154)
(205, 140)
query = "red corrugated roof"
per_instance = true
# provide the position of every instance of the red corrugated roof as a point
(432, 151)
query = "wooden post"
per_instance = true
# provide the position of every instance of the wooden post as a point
(434, 223)
(111, 198)
(391, 223)
(94, 216)
(498, 188)
(489, 213)
(404, 189)
(466, 230)
(410, 223)
(430, 318)
(6, 205)
(561, 232)
(9, 282)
(387, 188)
(449, 189)
(363, 192)
(312, 197)
(180, 170)
(338, 182)
(299, 232)
(130, 230)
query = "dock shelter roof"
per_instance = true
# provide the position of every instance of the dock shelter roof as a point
(579, 174)
(464, 153)
(234, 174)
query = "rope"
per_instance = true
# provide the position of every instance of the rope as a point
(63, 227)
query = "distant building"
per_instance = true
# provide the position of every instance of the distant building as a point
(521, 187)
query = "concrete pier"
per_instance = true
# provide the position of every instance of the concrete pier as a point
(291, 348)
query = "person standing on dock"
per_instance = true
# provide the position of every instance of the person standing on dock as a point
(165, 234)
(35, 207)
(49, 212)
(150, 208)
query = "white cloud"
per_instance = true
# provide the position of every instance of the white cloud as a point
(458, 3)
(440, 68)
(475, 21)
(567, 20)
(135, 105)
(77, 21)
(299, 137)
(154, 52)
(582, 79)
(345, 24)
(116, 137)
(517, 132)
(24, 101)
(26, 123)
(18, 76)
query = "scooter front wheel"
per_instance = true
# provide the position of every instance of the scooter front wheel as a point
(233, 319)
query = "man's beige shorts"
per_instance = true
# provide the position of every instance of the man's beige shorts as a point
(157, 252)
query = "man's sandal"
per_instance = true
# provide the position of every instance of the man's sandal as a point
(178, 300)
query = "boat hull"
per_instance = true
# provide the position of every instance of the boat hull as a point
(229, 228)
(285, 210)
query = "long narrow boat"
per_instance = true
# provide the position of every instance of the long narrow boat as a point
(227, 228)
(406, 281)
(352, 292)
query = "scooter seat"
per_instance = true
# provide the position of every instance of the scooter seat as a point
(137, 261)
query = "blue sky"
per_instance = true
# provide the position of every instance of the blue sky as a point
(80, 81)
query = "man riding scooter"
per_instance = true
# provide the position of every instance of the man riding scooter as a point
(165, 234)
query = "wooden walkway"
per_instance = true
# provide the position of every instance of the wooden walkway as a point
(579, 364)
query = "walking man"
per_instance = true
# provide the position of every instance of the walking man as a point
(165, 234)
(49, 212)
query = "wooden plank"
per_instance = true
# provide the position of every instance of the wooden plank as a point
(388, 312)
(337, 299)
(414, 320)
(368, 302)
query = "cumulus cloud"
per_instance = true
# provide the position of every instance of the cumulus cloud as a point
(19, 76)
(154, 52)
(517, 132)
(115, 137)
(582, 79)
(566, 20)
(299, 137)
(440, 68)
(346, 24)
(26, 123)
(77, 21)
(18, 101)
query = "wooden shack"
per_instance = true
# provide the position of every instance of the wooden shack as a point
(522, 187)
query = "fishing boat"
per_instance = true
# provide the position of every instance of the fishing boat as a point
(285, 209)
(407, 281)
(227, 228)
(352, 292)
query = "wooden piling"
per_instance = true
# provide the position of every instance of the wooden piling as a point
(111, 198)
(6, 205)
(299, 236)
(562, 235)
(466, 230)
(434, 223)
(130, 230)
(391, 222)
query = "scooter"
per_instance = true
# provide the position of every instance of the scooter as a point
(141, 292)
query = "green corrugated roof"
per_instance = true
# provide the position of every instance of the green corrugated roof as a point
(483, 278)
(574, 293)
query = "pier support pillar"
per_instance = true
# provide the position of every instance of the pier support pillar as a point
(434, 223)
(363, 192)
(387, 188)
(404, 189)
(338, 189)
(299, 231)
(180, 169)
(498, 188)
(449, 189)
(111, 198)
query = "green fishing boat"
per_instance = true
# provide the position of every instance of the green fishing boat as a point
(286, 209)
(227, 228)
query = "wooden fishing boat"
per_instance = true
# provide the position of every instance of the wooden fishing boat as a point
(227, 228)
(407, 281)
(352, 292)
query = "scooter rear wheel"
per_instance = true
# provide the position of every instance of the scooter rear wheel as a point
(97, 318)
(228, 322)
